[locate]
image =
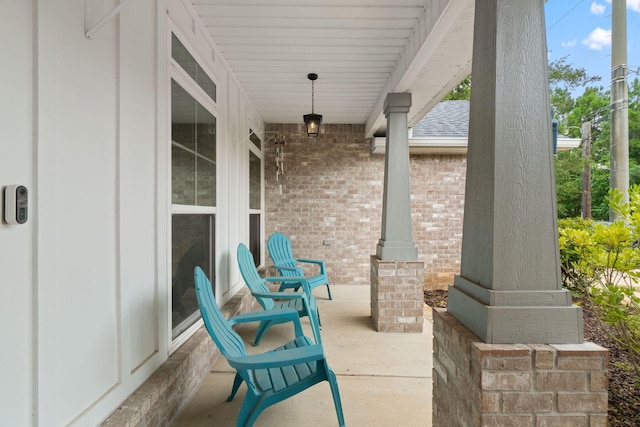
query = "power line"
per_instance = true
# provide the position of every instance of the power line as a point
(565, 15)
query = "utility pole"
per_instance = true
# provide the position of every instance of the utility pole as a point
(619, 174)
(586, 174)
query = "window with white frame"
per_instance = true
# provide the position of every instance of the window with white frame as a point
(193, 182)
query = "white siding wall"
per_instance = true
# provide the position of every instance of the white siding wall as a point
(16, 241)
(77, 278)
(85, 126)
(138, 147)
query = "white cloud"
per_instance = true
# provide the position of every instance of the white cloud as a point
(568, 44)
(597, 8)
(598, 39)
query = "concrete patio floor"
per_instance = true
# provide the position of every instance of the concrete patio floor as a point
(384, 378)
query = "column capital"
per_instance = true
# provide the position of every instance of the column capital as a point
(397, 103)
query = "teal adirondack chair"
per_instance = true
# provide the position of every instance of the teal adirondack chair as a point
(282, 256)
(303, 303)
(270, 377)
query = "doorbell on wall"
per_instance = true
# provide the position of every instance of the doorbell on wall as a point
(16, 202)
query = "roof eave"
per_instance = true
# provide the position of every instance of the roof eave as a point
(452, 145)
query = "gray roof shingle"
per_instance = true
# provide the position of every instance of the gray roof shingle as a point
(448, 119)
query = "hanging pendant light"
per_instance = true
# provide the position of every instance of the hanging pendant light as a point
(312, 121)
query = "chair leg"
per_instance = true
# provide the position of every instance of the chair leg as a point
(333, 382)
(286, 286)
(236, 385)
(329, 291)
(247, 415)
(262, 329)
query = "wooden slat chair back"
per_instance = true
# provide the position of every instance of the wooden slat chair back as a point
(270, 377)
(303, 303)
(281, 254)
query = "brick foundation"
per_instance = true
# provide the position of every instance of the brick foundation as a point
(478, 384)
(397, 299)
(159, 398)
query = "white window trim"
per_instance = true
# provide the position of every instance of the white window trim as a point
(180, 76)
(259, 152)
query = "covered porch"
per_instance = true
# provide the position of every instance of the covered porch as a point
(106, 141)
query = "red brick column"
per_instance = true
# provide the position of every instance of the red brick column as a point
(515, 384)
(397, 296)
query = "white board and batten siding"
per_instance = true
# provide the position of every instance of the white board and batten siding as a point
(85, 282)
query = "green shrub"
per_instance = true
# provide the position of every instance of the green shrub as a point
(600, 264)
(575, 239)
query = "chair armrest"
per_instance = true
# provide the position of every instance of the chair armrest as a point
(320, 263)
(291, 279)
(305, 296)
(284, 267)
(277, 295)
(275, 359)
(310, 261)
(256, 316)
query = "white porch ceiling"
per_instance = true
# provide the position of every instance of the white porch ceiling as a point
(360, 49)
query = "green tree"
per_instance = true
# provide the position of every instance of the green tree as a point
(593, 106)
(634, 131)
(569, 166)
(564, 80)
(565, 75)
(461, 92)
(601, 147)
(571, 113)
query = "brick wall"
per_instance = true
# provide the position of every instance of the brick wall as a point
(437, 202)
(478, 384)
(332, 190)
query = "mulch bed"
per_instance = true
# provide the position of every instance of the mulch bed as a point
(624, 391)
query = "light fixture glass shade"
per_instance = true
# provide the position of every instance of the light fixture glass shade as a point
(313, 123)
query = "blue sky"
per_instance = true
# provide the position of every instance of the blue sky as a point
(582, 30)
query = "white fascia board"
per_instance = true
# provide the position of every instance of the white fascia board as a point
(452, 145)
(426, 145)
(565, 143)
